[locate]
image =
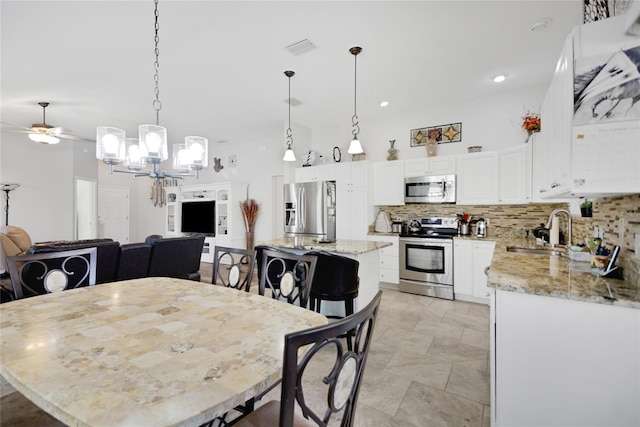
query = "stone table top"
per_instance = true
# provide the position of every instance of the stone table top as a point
(556, 276)
(339, 246)
(153, 351)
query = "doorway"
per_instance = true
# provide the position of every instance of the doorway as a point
(113, 213)
(86, 209)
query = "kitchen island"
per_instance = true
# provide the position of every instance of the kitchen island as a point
(365, 252)
(565, 343)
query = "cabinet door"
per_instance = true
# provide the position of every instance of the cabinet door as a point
(477, 179)
(352, 210)
(415, 167)
(556, 115)
(513, 175)
(482, 255)
(442, 165)
(388, 186)
(462, 262)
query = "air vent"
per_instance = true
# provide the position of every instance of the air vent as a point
(298, 48)
(294, 102)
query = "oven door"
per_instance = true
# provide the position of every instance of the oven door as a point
(426, 260)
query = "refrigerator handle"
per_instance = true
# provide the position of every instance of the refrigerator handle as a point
(302, 207)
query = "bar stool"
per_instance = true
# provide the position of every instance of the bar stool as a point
(335, 279)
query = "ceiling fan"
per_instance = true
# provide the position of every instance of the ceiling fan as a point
(47, 134)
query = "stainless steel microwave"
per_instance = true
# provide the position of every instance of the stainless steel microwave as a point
(430, 189)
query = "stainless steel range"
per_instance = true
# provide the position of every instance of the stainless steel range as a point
(426, 257)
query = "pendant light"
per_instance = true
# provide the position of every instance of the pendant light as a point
(355, 147)
(113, 148)
(289, 155)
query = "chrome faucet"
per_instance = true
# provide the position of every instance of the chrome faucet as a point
(554, 213)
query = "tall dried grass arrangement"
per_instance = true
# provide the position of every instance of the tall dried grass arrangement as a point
(250, 210)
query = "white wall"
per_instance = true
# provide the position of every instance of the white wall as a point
(43, 205)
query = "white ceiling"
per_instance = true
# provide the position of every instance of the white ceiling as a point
(222, 63)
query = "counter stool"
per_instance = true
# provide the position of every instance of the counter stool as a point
(335, 279)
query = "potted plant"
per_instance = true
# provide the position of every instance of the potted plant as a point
(586, 208)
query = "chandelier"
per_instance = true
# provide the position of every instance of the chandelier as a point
(355, 147)
(289, 155)
(114, 148)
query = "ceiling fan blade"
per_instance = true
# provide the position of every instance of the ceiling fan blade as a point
(9, 126)
(74, 137)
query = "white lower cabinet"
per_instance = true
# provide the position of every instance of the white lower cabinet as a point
(388, 259)
(470, 259)
(560, 362)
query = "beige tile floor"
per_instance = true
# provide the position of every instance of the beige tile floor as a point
(428, 364)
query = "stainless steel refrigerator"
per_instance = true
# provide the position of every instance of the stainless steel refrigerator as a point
(310, 210)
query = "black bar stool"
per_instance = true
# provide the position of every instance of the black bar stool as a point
(335, 279)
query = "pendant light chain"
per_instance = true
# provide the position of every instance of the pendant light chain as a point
(356, 129)
(289, 74)
(157, 105)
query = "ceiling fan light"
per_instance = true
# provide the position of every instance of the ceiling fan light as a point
(355, 147)
(289, 156)
(43, 138)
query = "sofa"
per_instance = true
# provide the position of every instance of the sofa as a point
(157, 256)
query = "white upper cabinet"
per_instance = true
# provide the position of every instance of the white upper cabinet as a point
(438, 165)
(478, 178)
(605, 147)
(515, 172)
(316, 173)
(352, 202)
(552, 154)
(388, 183)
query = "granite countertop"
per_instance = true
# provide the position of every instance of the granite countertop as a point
(339, 246)
(556, 276)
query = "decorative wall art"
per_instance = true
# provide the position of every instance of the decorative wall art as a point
(451, 132)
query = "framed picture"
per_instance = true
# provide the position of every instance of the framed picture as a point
(451, 132)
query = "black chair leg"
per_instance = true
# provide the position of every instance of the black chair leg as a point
(348, 308)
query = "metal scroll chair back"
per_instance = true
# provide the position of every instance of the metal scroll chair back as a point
(287, 276)
(37, 274)
(336, 370)
(233, 267)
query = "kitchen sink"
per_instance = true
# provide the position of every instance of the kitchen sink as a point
(536, 251)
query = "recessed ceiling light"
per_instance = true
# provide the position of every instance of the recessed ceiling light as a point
(540, 24)
(384, 103)
(500, 78)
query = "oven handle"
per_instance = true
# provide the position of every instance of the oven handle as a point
(427, 241)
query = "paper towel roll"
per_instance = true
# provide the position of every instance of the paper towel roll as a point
(554, 235)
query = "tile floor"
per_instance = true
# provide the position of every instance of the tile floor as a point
(428, 364)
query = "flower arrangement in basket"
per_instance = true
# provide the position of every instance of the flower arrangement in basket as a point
(250, 210)
(531, 123)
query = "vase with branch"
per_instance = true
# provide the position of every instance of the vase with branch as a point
(250, 209)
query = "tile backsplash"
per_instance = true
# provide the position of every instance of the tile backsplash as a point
(618, 217)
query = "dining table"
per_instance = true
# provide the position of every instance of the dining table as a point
(153, 351)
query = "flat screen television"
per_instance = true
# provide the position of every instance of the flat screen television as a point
(199, 217)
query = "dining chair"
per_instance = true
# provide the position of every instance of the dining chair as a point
(316, 359)
(41, 273)
(287, 275)
(233, 267)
